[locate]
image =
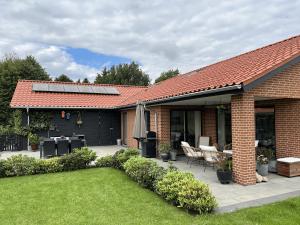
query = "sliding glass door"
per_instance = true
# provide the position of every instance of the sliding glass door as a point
(185, 126)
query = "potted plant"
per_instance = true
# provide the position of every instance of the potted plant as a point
(34, 141)
(173, 154)
(262, 165)
(272, 161)
(164, 150)
(224, 171)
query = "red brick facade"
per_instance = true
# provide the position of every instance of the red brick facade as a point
(243, 138)
(287, 128)
(209, 124)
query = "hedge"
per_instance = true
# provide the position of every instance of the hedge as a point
(22, 165)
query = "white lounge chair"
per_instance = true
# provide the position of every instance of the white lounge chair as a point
(210, 154)
(191, 153)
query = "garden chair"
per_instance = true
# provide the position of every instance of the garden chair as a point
(203, 141)
(191, 153)
(62, 146)
(210, 154)
(75, 143)
(47, 148)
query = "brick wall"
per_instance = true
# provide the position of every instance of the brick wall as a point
(209, 124)
(287, 128)
(243, 138)
(283, 85)
(163, 122)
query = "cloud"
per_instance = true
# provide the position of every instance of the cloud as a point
(158, 34)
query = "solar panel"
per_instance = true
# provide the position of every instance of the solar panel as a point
(56, 88)
(85, 89)
(112, 91)
(74, 88)
(71, 88)
(39, 87)
(99, 90)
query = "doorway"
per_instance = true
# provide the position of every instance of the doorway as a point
(124, 128)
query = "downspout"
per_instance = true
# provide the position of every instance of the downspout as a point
(28, 123)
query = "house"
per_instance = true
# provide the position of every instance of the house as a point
(252, 96)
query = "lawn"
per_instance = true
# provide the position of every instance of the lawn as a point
(108, 196)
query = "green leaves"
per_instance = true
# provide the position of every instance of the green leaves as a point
(13, 69)
(167, 75)
(126, 74)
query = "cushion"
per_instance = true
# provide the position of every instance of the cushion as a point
(185, 144)
(289, 160)
(208, 148)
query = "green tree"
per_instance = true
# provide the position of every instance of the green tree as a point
(63, 78)
(78, 81)
(128, 74)
(85, 81)
(167, 75)
(13, 69)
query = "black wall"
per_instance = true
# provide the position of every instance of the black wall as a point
(100, 127)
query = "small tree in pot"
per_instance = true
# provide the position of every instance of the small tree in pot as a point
(262, 165)
(224, 171)
(34, 141)
(164, 150)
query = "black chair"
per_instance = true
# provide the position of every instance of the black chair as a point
(62, 147)
(47, 148)
(75, 143)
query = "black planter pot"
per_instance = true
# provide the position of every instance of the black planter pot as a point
(225, 177)
(164, 157)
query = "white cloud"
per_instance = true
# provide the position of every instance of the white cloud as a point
(158, 34)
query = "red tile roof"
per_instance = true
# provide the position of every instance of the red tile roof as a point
(242, 69)
(25, 97)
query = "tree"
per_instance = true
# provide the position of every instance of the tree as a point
(85, 81)
(63, 78)
(13, 69)
(78, 81)
(127, 74)
(167, 75)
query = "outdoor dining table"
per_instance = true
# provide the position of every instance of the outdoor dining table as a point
(228, 153)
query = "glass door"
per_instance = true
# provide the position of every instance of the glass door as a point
(224, 126)
(124, 128)
(185, 126)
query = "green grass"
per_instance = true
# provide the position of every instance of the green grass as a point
(108, 196)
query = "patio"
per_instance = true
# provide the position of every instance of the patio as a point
(233, 196)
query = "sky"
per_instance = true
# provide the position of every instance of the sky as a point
(80, 38)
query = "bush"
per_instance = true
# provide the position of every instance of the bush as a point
(184, 190)
(171, 184)
(120, 157)
(20, 165)
(78, 159)
(196, 196)
(106, 161)
(2, 168)
(144, 171)
(49, 165)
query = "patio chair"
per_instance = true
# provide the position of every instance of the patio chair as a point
(210, 154)
(47, 148)
(62, 147)
(203, 141)
(191, 153)
(75, 143)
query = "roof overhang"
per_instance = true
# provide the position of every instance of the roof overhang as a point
(234, 89)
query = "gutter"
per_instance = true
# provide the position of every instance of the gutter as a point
(234, 89)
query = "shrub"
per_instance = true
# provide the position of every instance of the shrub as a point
(20, 165)
(144, 171)
(106, 161)
(123, 155)
(170, 185)
(2, 168)
(49, 165)
(78, 159)
(196, 196)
